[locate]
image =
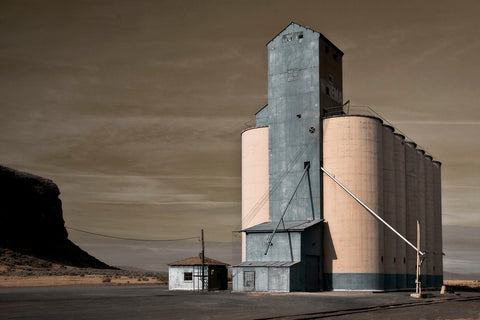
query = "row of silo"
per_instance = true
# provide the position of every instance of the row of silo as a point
(398, 182)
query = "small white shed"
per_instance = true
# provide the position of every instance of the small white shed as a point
(187, 274)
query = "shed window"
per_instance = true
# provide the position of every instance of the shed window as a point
(187, 276)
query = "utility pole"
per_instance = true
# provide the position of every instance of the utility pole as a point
(203, 263)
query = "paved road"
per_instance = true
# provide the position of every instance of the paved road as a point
(156, 302)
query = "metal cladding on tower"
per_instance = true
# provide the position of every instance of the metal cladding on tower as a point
(352, 226)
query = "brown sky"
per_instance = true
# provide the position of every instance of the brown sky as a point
(135, 108)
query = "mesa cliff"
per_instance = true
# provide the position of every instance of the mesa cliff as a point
(31, 220)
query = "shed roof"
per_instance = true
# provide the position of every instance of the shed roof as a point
(296, 225)
(267, 264)
(197, 261)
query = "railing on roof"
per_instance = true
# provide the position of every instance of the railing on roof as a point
(349, 110)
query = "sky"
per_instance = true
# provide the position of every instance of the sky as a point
(135, 108)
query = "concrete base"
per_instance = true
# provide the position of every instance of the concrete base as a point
(354, 281)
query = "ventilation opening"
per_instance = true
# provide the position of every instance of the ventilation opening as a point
(299, 116)
(287, 38)
(306, 164)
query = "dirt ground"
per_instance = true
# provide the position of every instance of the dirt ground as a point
(17, 270)
(33, 281)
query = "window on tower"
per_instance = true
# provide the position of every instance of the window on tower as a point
(287, 37)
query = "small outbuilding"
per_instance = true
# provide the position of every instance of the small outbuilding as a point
(187, 274)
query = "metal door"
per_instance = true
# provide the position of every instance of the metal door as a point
(249, 280)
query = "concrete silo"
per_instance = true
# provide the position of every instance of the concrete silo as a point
(389, 205)
(437, 211)
(353, 241)
(400, 210)
(429, 221)
(411, 188)
(421, 192)
(255, 202)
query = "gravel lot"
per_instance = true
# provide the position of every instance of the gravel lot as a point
(156, 302)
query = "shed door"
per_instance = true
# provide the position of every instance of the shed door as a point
(312, 280)
(249, 280)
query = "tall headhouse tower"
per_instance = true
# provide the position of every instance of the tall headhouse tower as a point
(304, 84)
(301, 232)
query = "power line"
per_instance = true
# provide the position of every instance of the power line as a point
(130, 239)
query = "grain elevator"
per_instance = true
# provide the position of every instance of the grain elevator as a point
(300, 230)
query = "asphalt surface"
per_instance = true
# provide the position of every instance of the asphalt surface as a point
(156, 302)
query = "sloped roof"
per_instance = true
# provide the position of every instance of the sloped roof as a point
(267, 264)
(307, 28)
(196, 261)
(297, 225)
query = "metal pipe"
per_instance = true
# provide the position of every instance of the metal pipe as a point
(372, 212)
(269, 243)
(310, 191)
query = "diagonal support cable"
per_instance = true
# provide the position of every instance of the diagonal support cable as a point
(270, 238)
(372, 212)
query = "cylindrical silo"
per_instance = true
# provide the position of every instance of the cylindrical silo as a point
(255, 199)
(421, 209)
(390, 249)
(411, 205)
(400, 210)
(429, 220)
(437, 209)
(353, 241)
